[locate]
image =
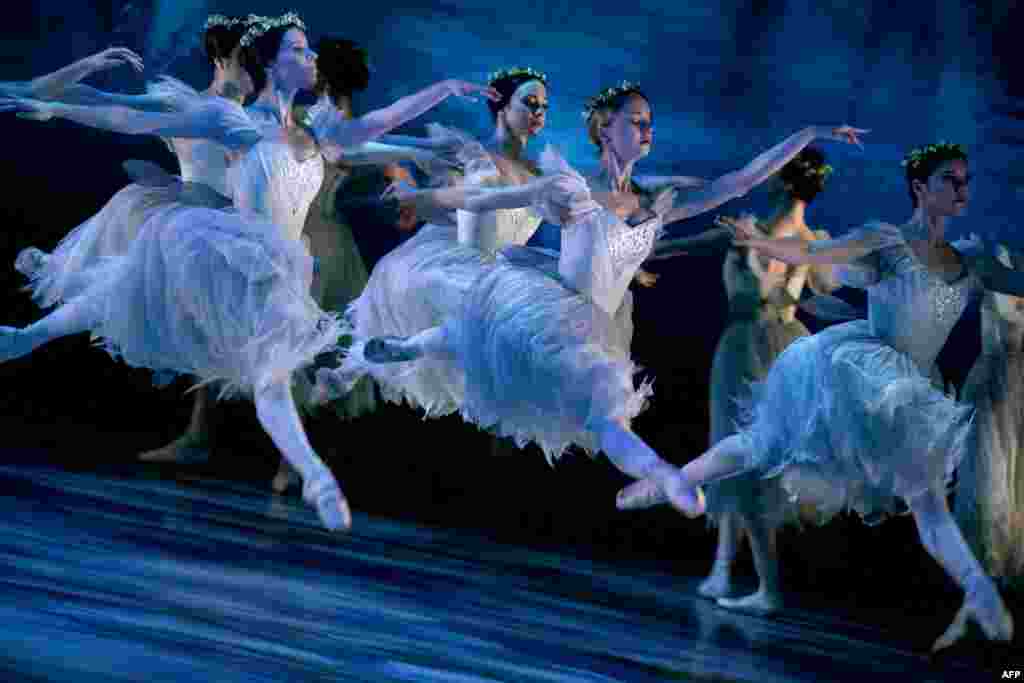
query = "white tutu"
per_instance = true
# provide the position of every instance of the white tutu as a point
(425, 280)
(207, 293)
(544, 357)
(57, 276)
(849, 419)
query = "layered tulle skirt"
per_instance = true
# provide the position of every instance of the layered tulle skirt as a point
(210, 293)
(57, 276)
(542, 363)
(849, 422)
(415, 287)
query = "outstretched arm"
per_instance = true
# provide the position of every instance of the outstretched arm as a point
(738, 183)
(218, 120)
(379, 154)
(797, 251)
(475, 198)
(335, 133)
(53, 84)
(88, 96)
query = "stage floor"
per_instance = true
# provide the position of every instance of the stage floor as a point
(138, 578)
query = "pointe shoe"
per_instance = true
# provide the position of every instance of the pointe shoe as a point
(389, 350)
(325, 495)
(995, 620)
(640, 495)
(14, 343)
(761, 603)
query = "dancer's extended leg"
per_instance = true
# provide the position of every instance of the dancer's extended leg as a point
(278, 415)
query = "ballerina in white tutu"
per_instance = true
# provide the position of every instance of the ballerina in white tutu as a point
(989, 495)
(224, 295)
(543, 357)
(56, 276)
(849, 417)
(420, 283)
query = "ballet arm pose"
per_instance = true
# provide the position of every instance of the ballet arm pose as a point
(475, 198)
(335, 133)
(797, 251)
(56, 84)
(382, 154)
(738, 183)
(209, 122)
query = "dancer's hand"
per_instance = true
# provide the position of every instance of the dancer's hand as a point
(646, 278)
(847, 134)
(466, 90)
(113, 57)
(28, 108)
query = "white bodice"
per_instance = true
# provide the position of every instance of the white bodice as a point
(492, 230)
(909, 307)
(272, 183)
(203, 161)
(600, 252)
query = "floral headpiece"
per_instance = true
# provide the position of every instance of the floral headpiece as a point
(221, 20)
(260, 25)
(812, 170)
(603, 98)
(517, 71)
(944, 150)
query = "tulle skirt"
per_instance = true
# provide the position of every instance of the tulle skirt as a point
(542, 363)
(57, 276)
(849, 422)
(989, 504)
(415, 287)
(209, 293)
(744, 354)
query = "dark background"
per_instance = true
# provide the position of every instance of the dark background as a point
(726, 80)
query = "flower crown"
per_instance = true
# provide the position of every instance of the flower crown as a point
(945, 150)
(221, 20)
(812, 170)
(517, 71)
(603, 98)
(258, 25)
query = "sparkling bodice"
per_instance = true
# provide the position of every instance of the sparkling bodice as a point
(911, 308)
(601, 254)
(272, 182)
(492, 230)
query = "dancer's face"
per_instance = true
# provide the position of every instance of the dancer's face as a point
(235, 74)
(630, 131)
(295, 65)
(526, 113)
(946, 193)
